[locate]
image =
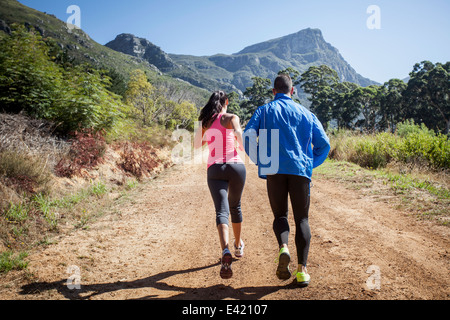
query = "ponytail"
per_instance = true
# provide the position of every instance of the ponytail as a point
(212, 109)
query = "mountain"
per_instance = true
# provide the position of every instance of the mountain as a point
(82, 49)
(227, 72)
(234, 72)
(143, 49)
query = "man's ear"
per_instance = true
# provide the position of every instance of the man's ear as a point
(292, 91)
(274, 92)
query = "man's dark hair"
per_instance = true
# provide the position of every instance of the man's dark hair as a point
(283, 84)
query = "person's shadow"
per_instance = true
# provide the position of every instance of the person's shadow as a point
(215, 292)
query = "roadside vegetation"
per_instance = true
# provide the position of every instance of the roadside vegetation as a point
(409, 169)
(70, 145)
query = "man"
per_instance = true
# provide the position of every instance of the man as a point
(302, 146)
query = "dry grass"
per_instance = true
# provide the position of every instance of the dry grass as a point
(33, 137)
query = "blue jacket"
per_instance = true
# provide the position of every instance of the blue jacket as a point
(291, 140)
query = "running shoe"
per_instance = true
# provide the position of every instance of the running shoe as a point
(284, 258)
(303, 279)
(225, 270)
(239, 252)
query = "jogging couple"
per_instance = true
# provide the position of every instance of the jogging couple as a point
(302, 145)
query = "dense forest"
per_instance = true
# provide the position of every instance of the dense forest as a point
(424, 99)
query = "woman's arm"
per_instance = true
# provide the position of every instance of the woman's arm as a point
(198, 139)
(236, 126)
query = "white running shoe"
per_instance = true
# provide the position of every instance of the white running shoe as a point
(239, 251)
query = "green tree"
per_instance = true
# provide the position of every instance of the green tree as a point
(184, 114)
(256, 96)
(392, 103)
(142, 97)
(86, 102)
(427, 95)
(34, 79)
(234, 107)
(318, 82)
(316, 78)
(29, 80)
(367, 101)
(343, 110)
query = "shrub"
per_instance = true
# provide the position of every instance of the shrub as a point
(87, 151)
(138, 159)
(412, 144)
(23, 173)
(425, 147)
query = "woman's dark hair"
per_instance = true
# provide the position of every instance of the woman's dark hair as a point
(210, 112)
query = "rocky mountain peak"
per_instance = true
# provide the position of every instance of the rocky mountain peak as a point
(143, 49)
(300, 43)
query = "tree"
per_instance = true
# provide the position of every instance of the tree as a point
(318, 82)
(233, 106)
(427, 95)
(85, 101)
(316, 78)
(392, 103)
(343, 110)
(29, 80)
(35, 79)
(367, 100)
(142, 97)
(257, 95)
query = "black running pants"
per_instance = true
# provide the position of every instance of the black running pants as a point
(226, 184)
(298, 188)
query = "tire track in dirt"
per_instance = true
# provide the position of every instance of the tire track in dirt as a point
(163, 244)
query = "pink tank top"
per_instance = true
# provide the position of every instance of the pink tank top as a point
(221, 143)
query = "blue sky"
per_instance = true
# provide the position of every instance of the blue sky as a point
(411, 30)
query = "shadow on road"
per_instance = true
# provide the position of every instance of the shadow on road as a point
(215, 292)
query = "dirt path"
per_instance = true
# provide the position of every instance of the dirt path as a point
(163, 245)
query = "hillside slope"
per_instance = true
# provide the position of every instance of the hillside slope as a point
(80, 47)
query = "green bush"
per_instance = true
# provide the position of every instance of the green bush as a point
(425, 147)
(72, 96)
(373, 151)
(412, 144)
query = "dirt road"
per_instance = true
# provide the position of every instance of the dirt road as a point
(162, 244)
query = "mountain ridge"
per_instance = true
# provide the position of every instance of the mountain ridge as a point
(234, 72)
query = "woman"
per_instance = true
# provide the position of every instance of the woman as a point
(226, 172)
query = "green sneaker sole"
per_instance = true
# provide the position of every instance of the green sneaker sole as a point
(283, 272)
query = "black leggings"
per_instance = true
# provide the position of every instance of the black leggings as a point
(226, 183)
(298, 188)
